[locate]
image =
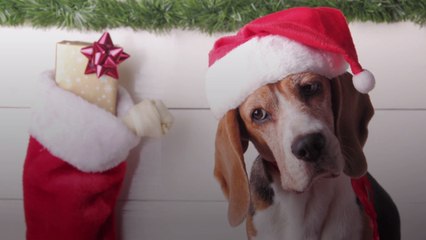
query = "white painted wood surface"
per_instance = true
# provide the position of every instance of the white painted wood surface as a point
(169, 192)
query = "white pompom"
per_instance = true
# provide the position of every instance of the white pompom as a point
(364, 81)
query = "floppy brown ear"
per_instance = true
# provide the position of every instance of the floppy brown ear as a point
(230, 168)
(352, 112)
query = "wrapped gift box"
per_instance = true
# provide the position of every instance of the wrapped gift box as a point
(70, 75)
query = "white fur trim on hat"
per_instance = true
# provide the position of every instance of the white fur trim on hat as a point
(260, 61)
(80, 133)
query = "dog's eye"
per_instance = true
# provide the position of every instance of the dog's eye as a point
(259, 115)
(310, 89)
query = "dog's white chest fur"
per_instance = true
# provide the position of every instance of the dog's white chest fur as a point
(328, 210)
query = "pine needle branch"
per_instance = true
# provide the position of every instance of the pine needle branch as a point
(204, 15)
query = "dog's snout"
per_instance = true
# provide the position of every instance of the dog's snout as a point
(308, 147)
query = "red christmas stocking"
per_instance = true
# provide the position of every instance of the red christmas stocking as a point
(74, 166)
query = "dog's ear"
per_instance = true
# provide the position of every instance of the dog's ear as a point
(230, 169)
(352, 112)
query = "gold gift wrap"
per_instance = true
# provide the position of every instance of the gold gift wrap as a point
(70, 67)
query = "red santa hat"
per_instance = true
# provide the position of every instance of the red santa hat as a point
(274, 46)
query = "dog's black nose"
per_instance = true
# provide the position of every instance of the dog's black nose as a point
(308, 147)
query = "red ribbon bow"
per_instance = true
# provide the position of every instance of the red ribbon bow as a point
(104, 57)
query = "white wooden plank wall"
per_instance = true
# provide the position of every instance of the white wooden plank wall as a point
(169, 192)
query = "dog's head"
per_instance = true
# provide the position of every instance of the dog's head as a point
(306, 126)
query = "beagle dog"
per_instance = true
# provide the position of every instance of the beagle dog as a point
(309, 132)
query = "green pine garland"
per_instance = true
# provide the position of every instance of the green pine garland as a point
(205, 15)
